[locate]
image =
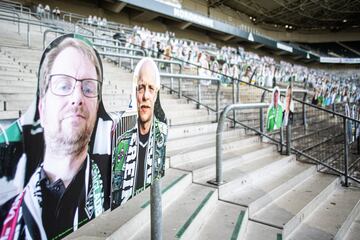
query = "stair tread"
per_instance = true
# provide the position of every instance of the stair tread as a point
(182, 208)
(234, 153)
(354, 230)
(225, 218)
(179, 147)
(329, 216)
(282, 210)
(261, 232)
(250, 192)
(121, 215)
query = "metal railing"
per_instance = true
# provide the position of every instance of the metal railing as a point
(182, 77)
(46, 32)
(220, 128)
(341, 165)
(28, 22)
(12, 12)
(16, 4)
(72, 15)
(107, 46)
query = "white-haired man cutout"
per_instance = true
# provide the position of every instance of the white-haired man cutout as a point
(140, 152)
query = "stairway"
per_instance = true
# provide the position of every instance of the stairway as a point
(265, 196)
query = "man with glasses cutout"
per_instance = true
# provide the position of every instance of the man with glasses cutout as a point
(71, 184)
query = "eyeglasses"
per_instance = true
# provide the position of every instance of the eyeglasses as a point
(64, 85)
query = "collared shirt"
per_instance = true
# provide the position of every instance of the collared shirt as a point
(60, 203)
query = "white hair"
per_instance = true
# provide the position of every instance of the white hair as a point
(139, 66)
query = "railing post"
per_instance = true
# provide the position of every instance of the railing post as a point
(217, 101)
(198, 95)
(19, 24)
(28, 34)
(304, 111)
(346, 154)
(179, 87)
(233, 100)
(261, 123)
(288, 139)
(219, 130)
(132, 61)
(358, 145)
(156, 210)
(281, 138)
(237, 91)
(171, 79)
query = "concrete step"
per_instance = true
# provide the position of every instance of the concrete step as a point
(258, 231)
(117, 86)
(353, 232)
(16, 89)
(175, 114)
(176, 106)
(191, 120)
(191, 209)
(332, 218)
(233, 164)
(256, 165)
(17, 73)
(126, 220)
(4, 82)
(8, 115)
(17, 96)
(16, 77)
(19, 105)
(288, 210)
(205, 155)
(230, 218)
(260, 192)
(178, 132)
(113, 91)
(172, 100)
(181, 145)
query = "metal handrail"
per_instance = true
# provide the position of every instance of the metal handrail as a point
(138, 58)
(64, 32)
(219, 175)
(29, 22)
(12, 12)
(72, 15)
(197, 78)
(13, 9)
(219, 130)
(120, 48)
(9, 2)
(77, 24)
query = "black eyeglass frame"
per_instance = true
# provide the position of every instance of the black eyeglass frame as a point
(76, 80)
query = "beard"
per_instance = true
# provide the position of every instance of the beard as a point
(67, 145)
(66, 140)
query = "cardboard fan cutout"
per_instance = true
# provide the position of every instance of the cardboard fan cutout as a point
(139, 155)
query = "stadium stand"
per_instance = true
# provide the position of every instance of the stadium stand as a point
(267, 193)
